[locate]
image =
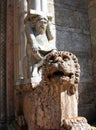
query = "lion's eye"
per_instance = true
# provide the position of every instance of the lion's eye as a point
(65, 58)
(51, 58)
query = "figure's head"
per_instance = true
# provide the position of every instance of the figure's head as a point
(41, 24)
(62, 68)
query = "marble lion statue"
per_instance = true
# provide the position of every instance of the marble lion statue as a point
(56, 97)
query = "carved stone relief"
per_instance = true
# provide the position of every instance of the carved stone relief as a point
(48, 97)
(76, 123)
(28, 16)
(39, 36)
(53, 104)
(56, 97)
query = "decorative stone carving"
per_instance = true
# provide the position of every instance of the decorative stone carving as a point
(76, 123)
(39, 44)
(56, 97)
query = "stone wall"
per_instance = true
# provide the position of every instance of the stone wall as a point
(92, 21)
(72, 34)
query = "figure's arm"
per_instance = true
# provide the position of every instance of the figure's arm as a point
(32, 45)
(50, 35)
(30, 35)
(50, 31)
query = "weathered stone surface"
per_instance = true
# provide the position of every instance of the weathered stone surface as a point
(79, 5)
(3, 64)
(39, 44)
(87, 101)
(73, 34)
(56, 97)
(92, 21)
(77, 123)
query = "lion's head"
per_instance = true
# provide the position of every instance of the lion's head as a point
(62, 68)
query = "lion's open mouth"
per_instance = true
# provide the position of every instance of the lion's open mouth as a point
(60, 74)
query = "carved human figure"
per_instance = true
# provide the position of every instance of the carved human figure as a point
(39, 37)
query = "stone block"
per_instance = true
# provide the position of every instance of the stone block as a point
(76, 123)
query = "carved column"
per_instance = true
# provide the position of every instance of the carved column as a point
(38, 5)
(22, 15)
(2, 64)
(44, 6)
(20, 9)
(92, 21)
(34, 4)
(10, 60)
(16, 39)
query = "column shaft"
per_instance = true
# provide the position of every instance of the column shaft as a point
(44, 6)
(37, 5)
(2, 64)
(10, 60)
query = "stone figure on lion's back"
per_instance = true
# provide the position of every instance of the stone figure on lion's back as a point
(39, 43)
